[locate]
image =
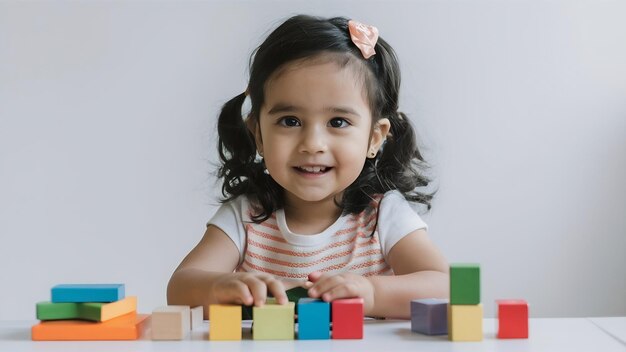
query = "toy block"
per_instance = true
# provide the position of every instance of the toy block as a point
(57, 311)
(125, 327)
(224, 322)
(87, 293)
(106, 311)
(171, 323)
(512, 317)
(197, 317)
(465, 322)
(429, 316)
(94, 311)
(464, 284)
(313, 319)
(347, 315)
(273, 321)
(294, 294)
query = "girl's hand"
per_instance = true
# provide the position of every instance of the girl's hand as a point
(247, 289)
(344, 285)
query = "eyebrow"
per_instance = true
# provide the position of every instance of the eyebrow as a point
(282, 108)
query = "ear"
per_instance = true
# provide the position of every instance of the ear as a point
(255, 129)
(380, 132)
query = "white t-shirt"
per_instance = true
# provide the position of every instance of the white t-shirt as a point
(358, 243)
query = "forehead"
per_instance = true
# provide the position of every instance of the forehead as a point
(322, 79)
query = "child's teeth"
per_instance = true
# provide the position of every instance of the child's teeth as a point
(313, 168)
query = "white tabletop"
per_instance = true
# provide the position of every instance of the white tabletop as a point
(614, 326)
(557, 334)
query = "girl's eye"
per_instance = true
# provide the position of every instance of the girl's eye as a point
(289, 122)
(339, 122)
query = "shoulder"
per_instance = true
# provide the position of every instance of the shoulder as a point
(396, 219)
(238, 208)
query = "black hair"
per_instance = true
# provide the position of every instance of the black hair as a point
(399, 165)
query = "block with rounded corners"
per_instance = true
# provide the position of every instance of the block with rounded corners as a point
(224, 322)
(94, 311)
(125, 327)
(273, 321)
(465, 322)
(464, 284)
(87, 293)
(429, 316)
(347, 318)
(171, 323)
(313, 319)
(512, 317)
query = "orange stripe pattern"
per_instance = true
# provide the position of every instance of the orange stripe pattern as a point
(353, 248)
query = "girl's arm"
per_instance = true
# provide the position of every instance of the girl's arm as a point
(206, 276)
(420, 272)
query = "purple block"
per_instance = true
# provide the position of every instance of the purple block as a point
(429, 316)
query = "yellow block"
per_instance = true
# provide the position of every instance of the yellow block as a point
(116, 309)
(465, 322)
(224, 322)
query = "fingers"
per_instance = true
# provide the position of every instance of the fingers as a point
(277, 289)
(314, 276)
(249, 289)
(234, 291)
(329, 287)
(257, 287)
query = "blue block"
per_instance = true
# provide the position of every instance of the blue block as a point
(313, 319)
(429, 316)
(87, 293)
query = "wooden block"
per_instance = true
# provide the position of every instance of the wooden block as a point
(512, 317)
(224, 322)
(313, 319)
(171, 323)
(429, 316)
(465, 322)
(94, 311)
(125, 327)
(87, 293)
(197, 317)
(347, 314)
(273, 321)
(57, 311)
(464, 284)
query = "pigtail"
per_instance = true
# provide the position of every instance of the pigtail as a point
(240, 171)
(400, 164)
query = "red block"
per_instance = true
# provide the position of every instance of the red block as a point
(347, 314)
(512, 319)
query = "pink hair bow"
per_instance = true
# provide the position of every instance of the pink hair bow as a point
(364, 37)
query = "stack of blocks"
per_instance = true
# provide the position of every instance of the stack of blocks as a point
(465, 312)
(175, 322)
(88, 312)
(273, 321)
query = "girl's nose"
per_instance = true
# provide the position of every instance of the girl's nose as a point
(313, 141)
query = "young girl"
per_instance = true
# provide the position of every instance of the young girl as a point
(317, 179)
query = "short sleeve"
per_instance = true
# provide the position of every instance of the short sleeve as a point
(396, 219)
(229, 218)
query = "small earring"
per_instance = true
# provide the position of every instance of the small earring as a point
(260, 160)
(371, 154)
(265, 170)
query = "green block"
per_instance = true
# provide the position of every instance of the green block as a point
(91, 310)
(56, 311)
(69, 310)
(273, 321)
(464, 284)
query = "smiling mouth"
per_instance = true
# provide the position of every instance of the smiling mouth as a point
(313, 169)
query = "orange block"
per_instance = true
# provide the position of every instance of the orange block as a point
(126, 327)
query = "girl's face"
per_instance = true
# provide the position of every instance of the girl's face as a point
(316, 130)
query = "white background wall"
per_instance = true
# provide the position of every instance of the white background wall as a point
(107, 138)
